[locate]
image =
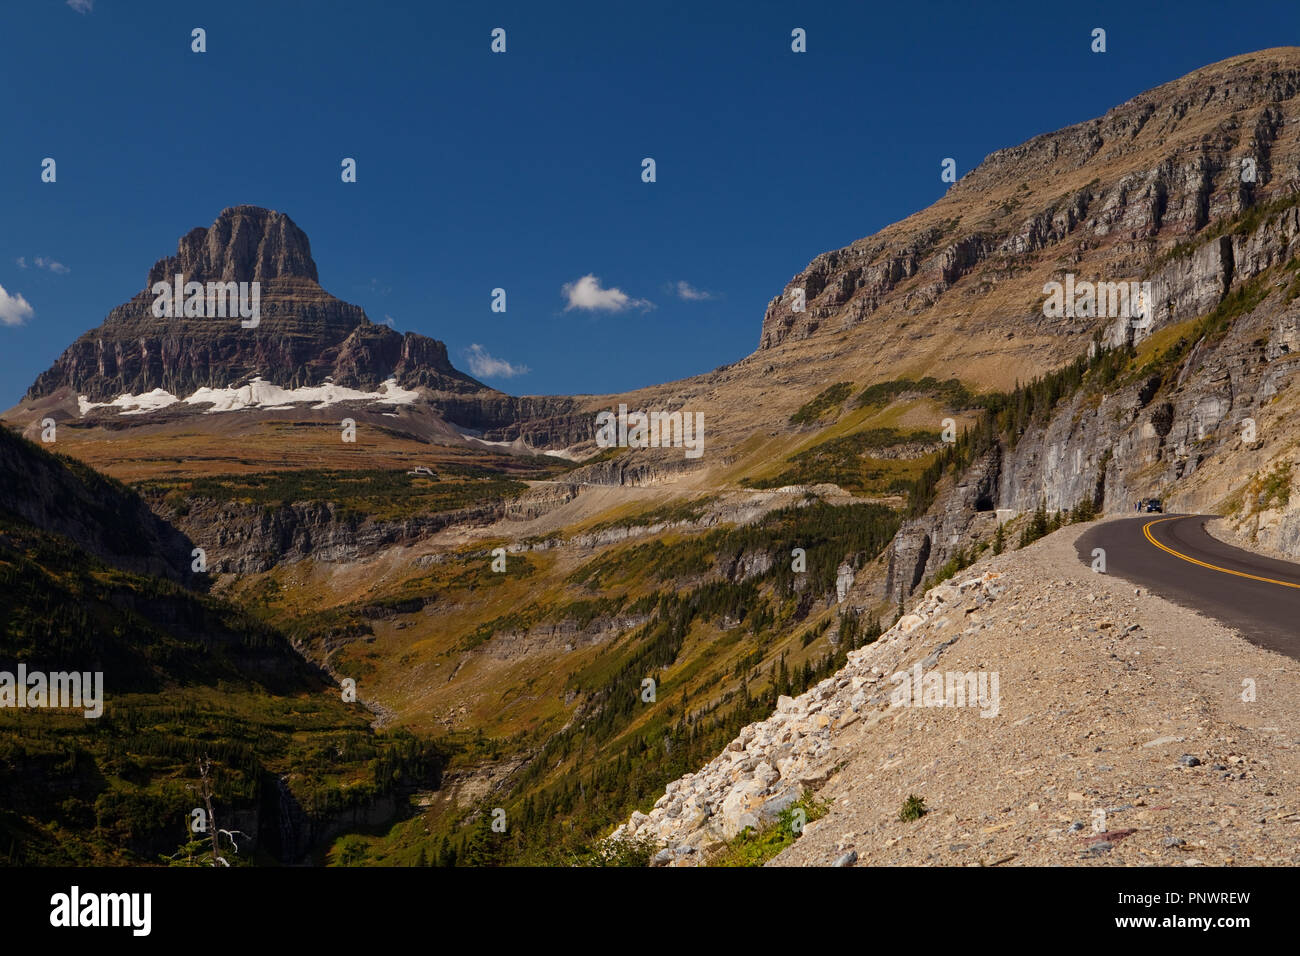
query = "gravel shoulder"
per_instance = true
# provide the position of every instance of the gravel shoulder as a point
(1226, 531)
(1128, 731)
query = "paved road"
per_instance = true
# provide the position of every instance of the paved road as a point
(1175, 557)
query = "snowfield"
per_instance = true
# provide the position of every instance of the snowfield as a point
(258, 393)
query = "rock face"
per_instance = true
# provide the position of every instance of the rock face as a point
(245, 538)
(1145, 437)
(246, 243)
(304, 337)
(636, 469)
(543, 422)
(1159, 167)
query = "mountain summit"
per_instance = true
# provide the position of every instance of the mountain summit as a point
(245, 243)
(304, 338)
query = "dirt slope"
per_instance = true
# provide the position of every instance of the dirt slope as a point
(1109, 699)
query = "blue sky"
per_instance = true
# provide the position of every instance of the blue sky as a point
(523, 170)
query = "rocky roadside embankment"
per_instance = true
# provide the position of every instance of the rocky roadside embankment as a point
(1113, 727)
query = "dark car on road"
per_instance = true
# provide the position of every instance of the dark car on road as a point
(1153, 506)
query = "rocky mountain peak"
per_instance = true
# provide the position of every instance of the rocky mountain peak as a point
(304, 336)
(244, 244)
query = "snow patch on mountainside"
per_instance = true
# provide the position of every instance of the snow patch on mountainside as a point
(258, 393)
(132, 404)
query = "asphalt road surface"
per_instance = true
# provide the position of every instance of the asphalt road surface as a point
(1176, 558)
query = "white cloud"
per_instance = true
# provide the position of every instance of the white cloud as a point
(691, 294)
(14, 309)
(43, 262)
(58, 268)
(388, 321)
(483, 365)
(82, 6)
(587, 294)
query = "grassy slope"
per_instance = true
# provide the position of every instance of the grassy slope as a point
(666, 607)
(185, 675)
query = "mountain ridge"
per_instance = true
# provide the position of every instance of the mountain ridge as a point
(1115, 225)
(305, 336)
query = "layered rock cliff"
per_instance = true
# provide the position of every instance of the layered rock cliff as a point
(242, 538)
(304, 336)
(1106, 200)
(1189, 427)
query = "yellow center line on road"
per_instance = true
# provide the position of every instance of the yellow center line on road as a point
(1146, 530)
